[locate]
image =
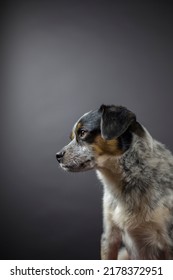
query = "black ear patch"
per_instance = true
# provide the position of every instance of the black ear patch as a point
(115, 121)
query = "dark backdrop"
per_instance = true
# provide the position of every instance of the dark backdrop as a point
(60, 59)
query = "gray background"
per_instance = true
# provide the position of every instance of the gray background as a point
(61, 59)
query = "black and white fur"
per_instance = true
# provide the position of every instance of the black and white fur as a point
(137, 176)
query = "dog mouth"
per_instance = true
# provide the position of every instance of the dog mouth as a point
(84, 166)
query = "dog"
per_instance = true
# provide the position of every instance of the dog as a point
(137, 176)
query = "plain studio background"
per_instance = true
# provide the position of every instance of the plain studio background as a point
(61, 59)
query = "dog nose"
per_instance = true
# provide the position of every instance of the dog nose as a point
(59, 156)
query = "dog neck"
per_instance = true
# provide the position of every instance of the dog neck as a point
(110, 173)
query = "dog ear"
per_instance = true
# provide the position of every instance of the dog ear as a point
(115, 120)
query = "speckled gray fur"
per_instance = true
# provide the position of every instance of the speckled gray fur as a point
(137, 178)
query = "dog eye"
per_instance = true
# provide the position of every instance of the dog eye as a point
(82, 133)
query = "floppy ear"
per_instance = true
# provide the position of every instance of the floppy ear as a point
(115, 120)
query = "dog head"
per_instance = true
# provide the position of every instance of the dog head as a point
(101, 133)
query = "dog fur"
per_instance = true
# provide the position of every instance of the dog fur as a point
(137, 176)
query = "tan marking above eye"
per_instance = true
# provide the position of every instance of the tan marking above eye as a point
(75, 129)
(72, 135)
(78, 126)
